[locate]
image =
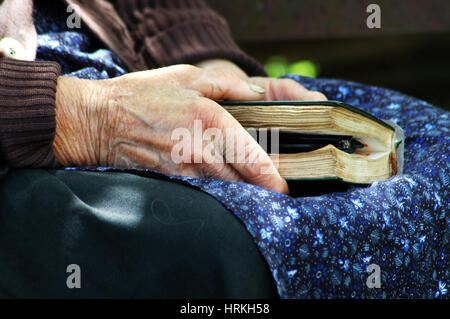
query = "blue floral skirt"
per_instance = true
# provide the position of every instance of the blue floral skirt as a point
(321, 246)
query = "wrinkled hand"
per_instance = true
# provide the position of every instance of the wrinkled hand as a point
(276, 89)
(128, 122)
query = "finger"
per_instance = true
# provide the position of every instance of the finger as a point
(247, 157)
(126, 155)
(218, 85)
(257, 167)
(287, 89)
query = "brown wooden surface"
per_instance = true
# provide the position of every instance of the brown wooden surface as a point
(269, 20)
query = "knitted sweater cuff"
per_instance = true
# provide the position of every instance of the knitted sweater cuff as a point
(27, 113)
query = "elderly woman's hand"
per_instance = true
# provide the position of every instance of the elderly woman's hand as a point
(129, 121)
(276, 89)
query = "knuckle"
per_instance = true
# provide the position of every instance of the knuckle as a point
(184, 69)
(224, 83)
(215, 89)
(206, 112)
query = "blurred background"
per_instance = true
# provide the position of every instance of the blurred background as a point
(410, 53)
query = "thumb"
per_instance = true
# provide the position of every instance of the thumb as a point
(219, 85)
(287, 89)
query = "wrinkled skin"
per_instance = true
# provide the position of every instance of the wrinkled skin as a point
(128, 121)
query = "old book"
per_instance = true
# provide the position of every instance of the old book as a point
(325, 139)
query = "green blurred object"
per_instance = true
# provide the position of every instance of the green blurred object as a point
(277, 66)
(305, 67)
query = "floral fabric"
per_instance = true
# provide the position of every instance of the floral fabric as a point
(77, 50)
(321, 246)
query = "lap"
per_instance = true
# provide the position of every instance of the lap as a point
(131, 236)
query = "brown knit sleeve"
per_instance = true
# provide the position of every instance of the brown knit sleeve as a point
(170, 32)
(27, 112)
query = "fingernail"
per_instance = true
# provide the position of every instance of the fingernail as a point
(257, 88)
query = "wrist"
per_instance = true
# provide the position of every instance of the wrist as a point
(76, 107)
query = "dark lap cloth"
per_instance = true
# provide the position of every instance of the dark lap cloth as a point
(131, 237)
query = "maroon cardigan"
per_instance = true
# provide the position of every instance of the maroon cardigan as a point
(145, 34)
